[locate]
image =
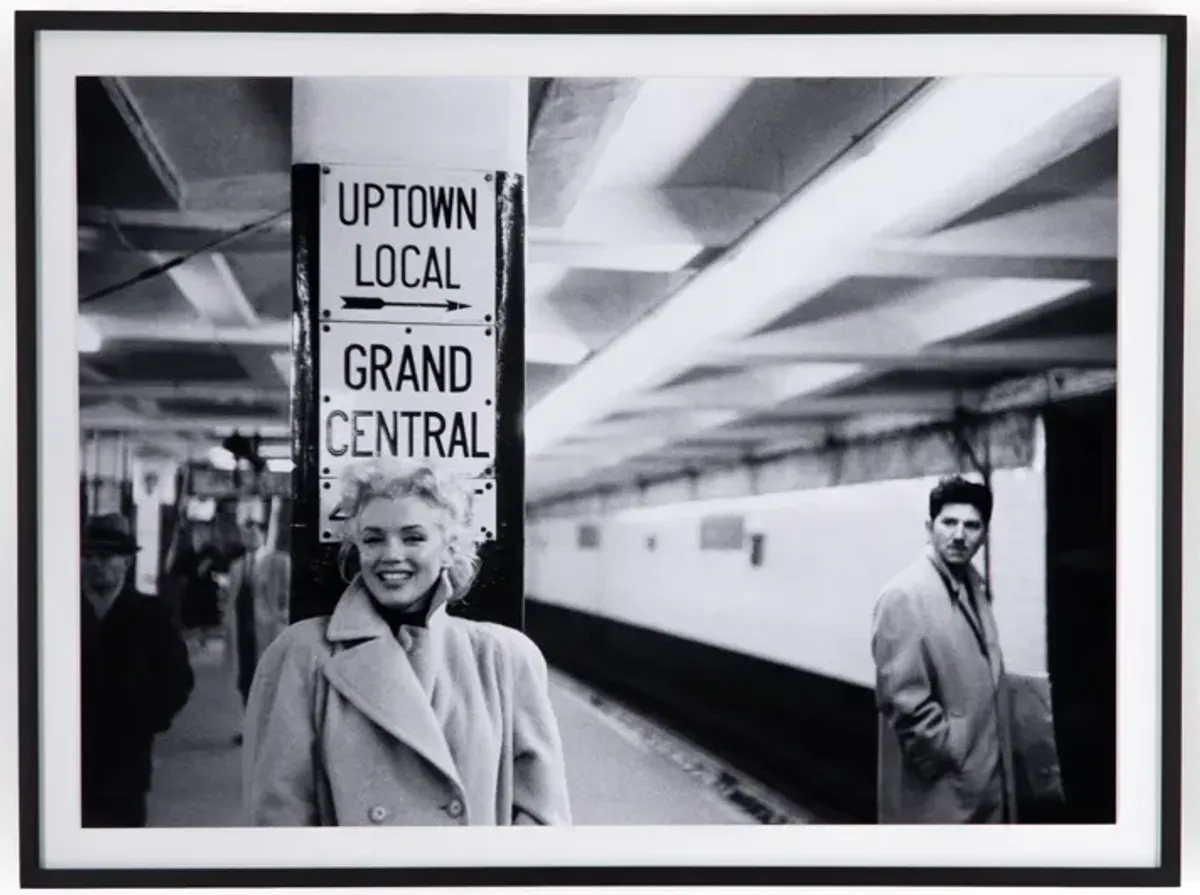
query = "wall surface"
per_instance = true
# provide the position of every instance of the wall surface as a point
(826, 553)
(768, 663)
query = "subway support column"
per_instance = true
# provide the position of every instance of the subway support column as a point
(408, 293)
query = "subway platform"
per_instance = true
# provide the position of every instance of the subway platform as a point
(621, 767)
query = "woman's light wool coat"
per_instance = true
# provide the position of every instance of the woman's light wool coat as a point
(447, 724)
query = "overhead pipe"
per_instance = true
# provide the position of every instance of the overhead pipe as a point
(159, 269)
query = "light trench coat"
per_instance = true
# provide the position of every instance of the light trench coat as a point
(942, 694)
(271, 593)
(449, 724)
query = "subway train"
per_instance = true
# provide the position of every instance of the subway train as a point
(736, 605)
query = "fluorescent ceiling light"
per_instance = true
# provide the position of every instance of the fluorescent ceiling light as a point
(954, 134)
(221, 458)
(645, 258)
(553, 348)
(280, 464)
(88, 337)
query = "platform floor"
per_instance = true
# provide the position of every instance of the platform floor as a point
(614, 778)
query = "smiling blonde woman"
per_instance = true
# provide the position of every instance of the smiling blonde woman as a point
(390, 711)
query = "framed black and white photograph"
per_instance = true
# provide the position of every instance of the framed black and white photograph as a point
(650, 429)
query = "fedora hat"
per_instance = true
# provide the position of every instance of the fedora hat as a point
(109, 533)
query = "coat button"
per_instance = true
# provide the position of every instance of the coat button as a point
(378, 814)
(455, 808)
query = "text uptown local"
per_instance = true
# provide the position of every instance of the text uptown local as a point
(413, 207)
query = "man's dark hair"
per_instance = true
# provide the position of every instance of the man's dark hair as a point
(956, 489)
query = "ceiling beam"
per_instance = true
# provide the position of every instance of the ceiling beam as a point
(128, 108)
(89, 373)
(667, 121)
(209, 285)
(661, 229)
(200, 391)
(178, 232)
(913, 258)
(575, 120)
(927, 151)
(930, 315)
(268, 427)
(795, 346)
(1073, 128)
(259, 366)
(656, 424)
(276, 334)
(1080, 227)
(644, 257)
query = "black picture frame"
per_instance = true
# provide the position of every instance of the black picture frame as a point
(29, 25)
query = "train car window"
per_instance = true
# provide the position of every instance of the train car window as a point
(722, 533)
(756, 549)
(589, 536)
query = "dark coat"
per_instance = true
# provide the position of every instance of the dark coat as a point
(136, 676)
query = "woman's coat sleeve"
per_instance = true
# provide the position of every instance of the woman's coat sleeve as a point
(280, 738)
(539, 774)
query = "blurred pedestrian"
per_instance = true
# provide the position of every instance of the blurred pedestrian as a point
(256, 605)
(195, 561)
(391, 711)
(945, 734)
(136, 676)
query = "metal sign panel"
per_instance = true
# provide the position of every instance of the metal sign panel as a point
(447, 342)
(407, 340)
(408, 245)
(483, 510)
(426, 392)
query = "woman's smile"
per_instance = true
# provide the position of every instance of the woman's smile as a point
(393, 577)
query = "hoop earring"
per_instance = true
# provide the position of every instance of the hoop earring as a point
(345, 553)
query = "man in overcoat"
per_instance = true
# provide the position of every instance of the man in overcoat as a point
(257, 605)
(136, 676)
(945, 731)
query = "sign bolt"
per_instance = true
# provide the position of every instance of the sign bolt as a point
(487, 177)
(325, 169)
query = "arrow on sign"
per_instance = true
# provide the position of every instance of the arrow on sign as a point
(373, 303)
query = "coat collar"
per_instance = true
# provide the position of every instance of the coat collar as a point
(975, 611)
(377, 676)
(975, 579)
(355, 616)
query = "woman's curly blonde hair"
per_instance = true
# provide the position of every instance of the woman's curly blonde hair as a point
(390, 478)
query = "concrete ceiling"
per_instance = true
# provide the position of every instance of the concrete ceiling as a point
(645, 197)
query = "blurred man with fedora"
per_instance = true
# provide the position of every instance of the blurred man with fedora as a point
(136, 676)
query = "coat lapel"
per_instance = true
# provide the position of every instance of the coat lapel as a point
(375, 676)
(983, 600)
(958, 593)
